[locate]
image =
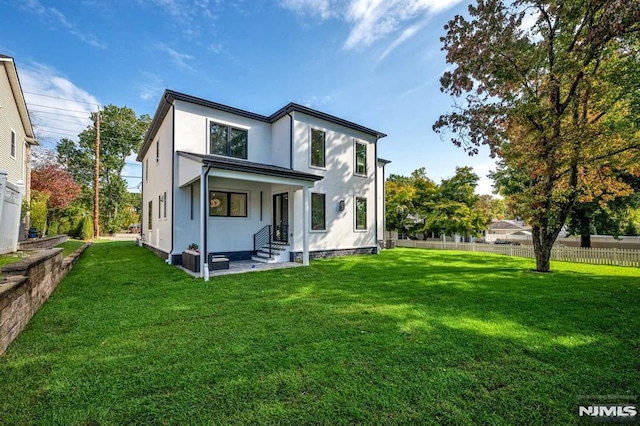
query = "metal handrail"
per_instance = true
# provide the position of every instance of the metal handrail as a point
(261, 238)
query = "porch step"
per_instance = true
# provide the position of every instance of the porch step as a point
(278, 252)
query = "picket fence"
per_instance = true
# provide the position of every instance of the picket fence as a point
(596, 256)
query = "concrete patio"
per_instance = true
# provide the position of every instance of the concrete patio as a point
(242, 266)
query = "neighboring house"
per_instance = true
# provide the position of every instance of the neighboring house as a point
(501, 229)
(16, 139)
(232, 181)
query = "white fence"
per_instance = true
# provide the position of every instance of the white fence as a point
(10, 206)
(597, 256)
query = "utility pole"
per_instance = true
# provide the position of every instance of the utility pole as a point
(96, 183)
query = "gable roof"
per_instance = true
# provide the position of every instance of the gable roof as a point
(169, 96)
(507, 224)
(18, 96)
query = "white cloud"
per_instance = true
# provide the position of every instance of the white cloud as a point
(151, 87)
(316, 102)
(58, 108)
(372, 20)
(180, 59)
(55, 18)
(325, 9)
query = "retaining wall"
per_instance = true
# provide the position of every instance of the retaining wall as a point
(27, 284)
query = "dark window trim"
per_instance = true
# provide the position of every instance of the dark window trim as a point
(158, 151)
(146, 170)
(229, 193)
(159, 204)
(324, 208)
(230, 130)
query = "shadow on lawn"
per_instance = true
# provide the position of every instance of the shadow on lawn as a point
(404, 337)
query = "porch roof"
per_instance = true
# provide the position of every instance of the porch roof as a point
(232, 164)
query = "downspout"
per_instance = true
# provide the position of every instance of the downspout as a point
(173, 182)
(290, 140)
(204, 187)
(375, 201)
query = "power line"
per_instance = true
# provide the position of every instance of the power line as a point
(51, 127)
(64, 99)
(62, 121)
(62, 109)
(31, 110)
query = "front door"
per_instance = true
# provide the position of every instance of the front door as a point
(281, 217)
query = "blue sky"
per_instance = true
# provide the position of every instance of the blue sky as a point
(374, 62)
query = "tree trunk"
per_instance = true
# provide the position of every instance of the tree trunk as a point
(542, 245)
(585, 230)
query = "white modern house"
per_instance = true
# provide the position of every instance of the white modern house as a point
(286, 187)
(16, 140)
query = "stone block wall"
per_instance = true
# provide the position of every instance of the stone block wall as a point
(296, 256)
(42, 243)
(26, 286)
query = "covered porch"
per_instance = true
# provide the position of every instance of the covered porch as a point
(241, 210)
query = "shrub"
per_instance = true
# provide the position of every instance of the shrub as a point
(87, 228)
(65, 226)
(54, 228)
(39, 211)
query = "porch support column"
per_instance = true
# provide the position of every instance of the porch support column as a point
(204, 186)
(306, 214)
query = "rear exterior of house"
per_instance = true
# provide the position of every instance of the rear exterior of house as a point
(16, 139)
(302, 182)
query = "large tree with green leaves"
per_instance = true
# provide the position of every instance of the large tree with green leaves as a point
(121, 134)
(545, 84)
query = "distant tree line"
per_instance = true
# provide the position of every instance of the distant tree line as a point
(419, 207)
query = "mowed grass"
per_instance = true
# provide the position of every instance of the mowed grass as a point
(409, 336)
(70, 246)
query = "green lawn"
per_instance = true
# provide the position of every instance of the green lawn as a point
(410, 336)
(70, 246)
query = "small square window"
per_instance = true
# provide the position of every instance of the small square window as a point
(228, 141)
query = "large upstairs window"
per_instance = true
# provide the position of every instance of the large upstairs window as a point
(228, 141)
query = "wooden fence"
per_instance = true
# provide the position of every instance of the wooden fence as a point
(596, 256)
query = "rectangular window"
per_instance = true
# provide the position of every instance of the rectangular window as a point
(150, 215)
(229, 141)
(317, 148)
(361, 213)
(227, 204)
(159, 203)
(164, 204)
(361, 159)
(157, 151)
(146, 170)
(13, 144)
(318, 208)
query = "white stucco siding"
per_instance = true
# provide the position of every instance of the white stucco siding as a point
(157, 180)
(187, 222)
(339, 183)
(16, 167)
(192, 131)
(281, 145)
(231, 234)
